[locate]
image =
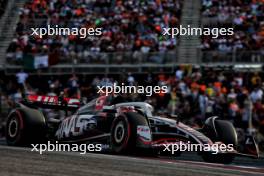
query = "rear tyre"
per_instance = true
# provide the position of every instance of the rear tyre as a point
(25, 127)
(226, 134)
(15, 134)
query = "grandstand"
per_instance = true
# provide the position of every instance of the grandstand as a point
(132, 35)
(246, 17)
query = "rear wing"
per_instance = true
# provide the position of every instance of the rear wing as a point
(52, 102)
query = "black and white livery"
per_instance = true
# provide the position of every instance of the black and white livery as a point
(124, 127)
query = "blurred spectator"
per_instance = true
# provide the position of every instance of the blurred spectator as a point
(73, 85)
(3, 4)
(21, 77)
(256, 95)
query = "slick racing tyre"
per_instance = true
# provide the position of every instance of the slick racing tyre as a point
(120, 134)
(25, 127)
(226, 134)
(15, 129)
(124, 132)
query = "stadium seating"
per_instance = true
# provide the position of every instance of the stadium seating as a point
(132, 28)
(246, 17)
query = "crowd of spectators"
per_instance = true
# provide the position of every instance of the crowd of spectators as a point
(245, 16)
(3, 4)
(193, 93)
(128, 26)
(133, 27)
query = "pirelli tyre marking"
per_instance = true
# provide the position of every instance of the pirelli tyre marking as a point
(13, 127)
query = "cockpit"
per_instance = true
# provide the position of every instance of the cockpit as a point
(114, 102)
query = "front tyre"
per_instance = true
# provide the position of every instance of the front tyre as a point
(124, 132)
(120, 134)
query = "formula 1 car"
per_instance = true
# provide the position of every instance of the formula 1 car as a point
(122, 126)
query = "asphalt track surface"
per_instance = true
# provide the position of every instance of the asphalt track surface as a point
(16, 161)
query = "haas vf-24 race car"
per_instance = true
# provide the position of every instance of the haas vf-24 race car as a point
(123, 126)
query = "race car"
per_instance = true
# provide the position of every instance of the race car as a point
(124, 127)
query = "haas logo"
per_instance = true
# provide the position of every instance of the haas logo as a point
(75, 126)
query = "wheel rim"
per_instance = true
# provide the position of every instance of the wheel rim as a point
(13, 127)
(119, 132)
